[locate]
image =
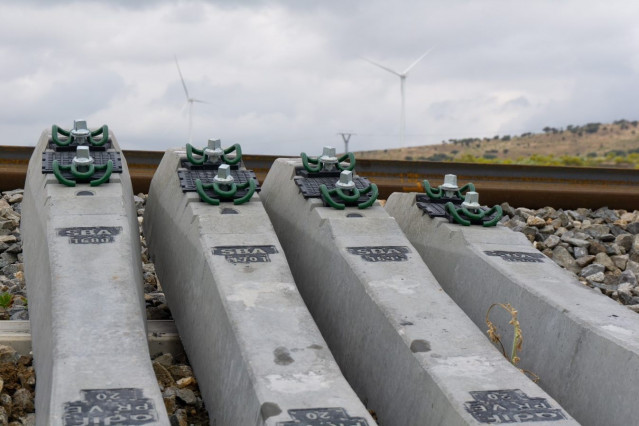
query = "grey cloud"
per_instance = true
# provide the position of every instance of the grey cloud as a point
(65, 99)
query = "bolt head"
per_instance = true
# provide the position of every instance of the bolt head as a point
(328, 151)
(328, 160)
(346, 180)
(82, 156)
(215, 144)
(472, 200)
(214, 150)
(223, 174)
(80, 128)
(450, 183)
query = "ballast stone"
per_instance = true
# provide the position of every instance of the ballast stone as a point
(402, 343)
(566, 325)
(258, 357)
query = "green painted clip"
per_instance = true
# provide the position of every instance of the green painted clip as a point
(221, 180)
(328, 161)
(79, 133)
(214, 151)
(471, 209)
(448, 188)
(57, 171)
(345, 185)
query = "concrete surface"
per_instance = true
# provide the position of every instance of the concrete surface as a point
(257, 354)
(86, 303)
(162, 336)
(583, 345)
(401, 342)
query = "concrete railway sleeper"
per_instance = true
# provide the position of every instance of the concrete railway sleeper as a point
(257, 354)
(409, 352)
(577, 340)
(81, 250)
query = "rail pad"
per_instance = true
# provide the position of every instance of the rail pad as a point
(188, 178)
(404, 346)
(65, 158)
(437, 208)
(74, 145)
(309, 184)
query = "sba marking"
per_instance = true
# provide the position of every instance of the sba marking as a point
(517, 256)
(245, 254)
(90, 234)
(381, 253)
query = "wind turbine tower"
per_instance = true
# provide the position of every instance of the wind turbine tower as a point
(189, 101)
(402, 78)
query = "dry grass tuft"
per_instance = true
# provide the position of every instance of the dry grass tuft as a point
(518, 339)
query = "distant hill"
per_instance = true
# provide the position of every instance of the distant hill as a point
(593, 144)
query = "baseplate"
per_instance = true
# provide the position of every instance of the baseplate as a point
(186, 164)
(309, 184)
(188, 178)
(74, 145)
(65, 158)
(437, 208)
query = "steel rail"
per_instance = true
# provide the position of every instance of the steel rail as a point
(529, 186)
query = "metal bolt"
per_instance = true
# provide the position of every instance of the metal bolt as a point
(449, 186)
(223, 175)
(214, 150)
(472, 201)
(80, 131)
(82, 157)
(328, 160)
(346, 180)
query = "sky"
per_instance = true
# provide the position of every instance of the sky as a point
(281, 77)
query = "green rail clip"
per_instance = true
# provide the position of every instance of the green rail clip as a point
(91, 169)
(224, 187)
(214, 153)
(80, 134)
(347, 192)
(474, 216)
(458, 205)
(439, 193)
(328, 161)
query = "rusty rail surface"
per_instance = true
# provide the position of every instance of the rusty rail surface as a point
(529, 186)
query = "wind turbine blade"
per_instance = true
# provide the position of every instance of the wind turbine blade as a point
(417, 61)
(186, 91)
(382, 67)
(198, 100)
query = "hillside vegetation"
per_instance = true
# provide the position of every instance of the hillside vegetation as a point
(592, 145)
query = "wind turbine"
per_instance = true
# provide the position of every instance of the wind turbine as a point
(402, 78)
(189, 100)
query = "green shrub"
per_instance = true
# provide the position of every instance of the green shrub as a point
(592, 127)
(615, 153)
(439, 157)
(5, 299)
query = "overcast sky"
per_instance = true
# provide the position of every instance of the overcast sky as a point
(284, 77)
